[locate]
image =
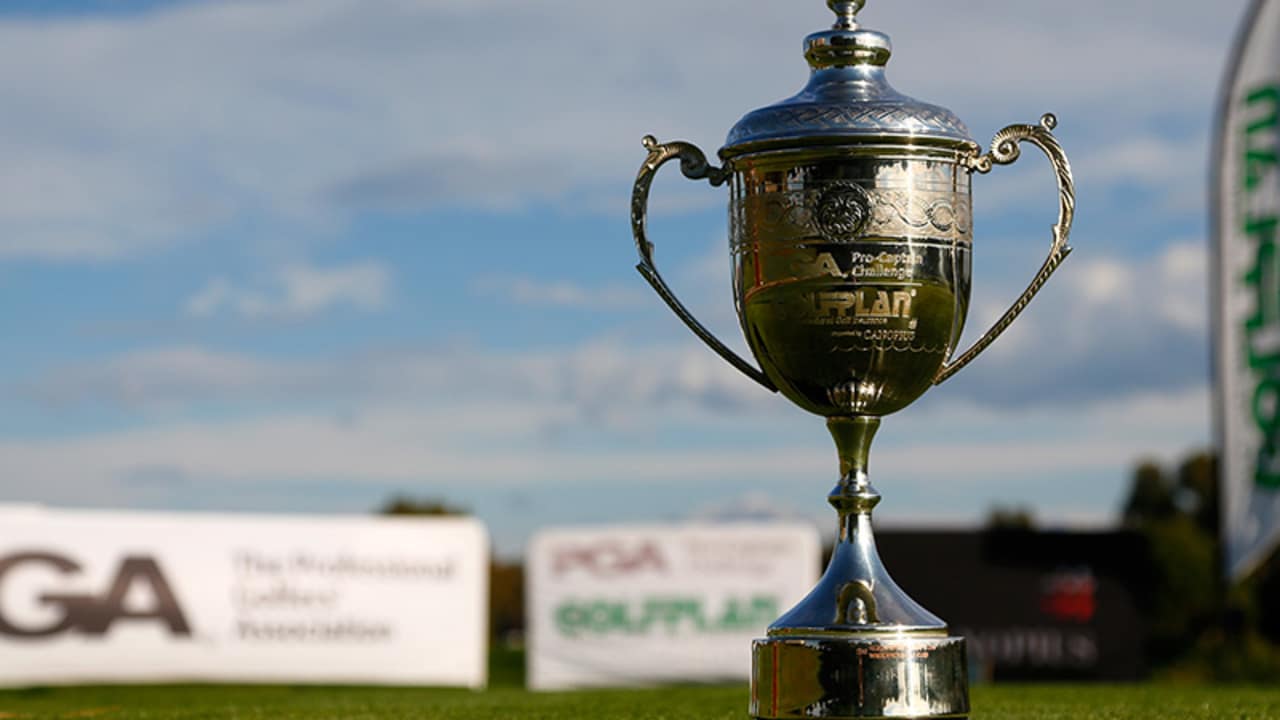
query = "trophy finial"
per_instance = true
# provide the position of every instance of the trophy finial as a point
(847, 10)
(846, 43)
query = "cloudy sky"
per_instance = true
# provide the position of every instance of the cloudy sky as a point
(302, 255)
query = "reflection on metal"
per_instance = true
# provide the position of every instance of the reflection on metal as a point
(851, 236)
(856, 604)
(859, 676)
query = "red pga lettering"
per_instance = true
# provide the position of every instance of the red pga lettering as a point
(609, 559)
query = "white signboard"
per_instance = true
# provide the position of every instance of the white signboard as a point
(1246, 201)
(132, 597)
(644, 605)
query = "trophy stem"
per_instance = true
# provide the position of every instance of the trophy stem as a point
(854, 498)
(854, 494)
(866, 598)
(858, 646)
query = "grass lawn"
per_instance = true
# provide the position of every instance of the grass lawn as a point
(506, 699)
(729, 703)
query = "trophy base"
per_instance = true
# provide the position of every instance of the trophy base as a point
(862, 675)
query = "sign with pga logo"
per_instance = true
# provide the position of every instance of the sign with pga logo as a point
(646, 605)
(132, 597)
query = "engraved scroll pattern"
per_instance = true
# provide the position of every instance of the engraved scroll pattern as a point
(884, 117)
(936, 215)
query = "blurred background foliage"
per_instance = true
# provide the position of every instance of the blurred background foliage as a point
(1198, 628)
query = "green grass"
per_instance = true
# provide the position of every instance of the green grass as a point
(507, 700)
(283, 703)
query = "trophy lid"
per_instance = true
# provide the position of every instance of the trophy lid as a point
(847, 99)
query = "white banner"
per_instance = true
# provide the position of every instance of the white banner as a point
(135, 597)
(624, 606)
(1247, 304)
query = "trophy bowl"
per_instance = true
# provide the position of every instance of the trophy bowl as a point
(851, 274)
(851, 236)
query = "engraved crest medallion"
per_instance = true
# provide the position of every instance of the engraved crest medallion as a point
(843, 211)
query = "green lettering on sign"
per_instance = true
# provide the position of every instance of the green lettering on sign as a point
(663, 615)
(1261, 157)
(1257, 161)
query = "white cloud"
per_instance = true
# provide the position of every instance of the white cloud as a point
(1104, 281)
(1105, 325)
(562, 293)
(297, 291)
(609, 412)
(1170, 289)
(171, 378)
(1184, 271)
(603, 380)
(122, 134)
(500, 445)
(444, 405)
(754, 506)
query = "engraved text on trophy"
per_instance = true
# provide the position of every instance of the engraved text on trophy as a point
(859, 279)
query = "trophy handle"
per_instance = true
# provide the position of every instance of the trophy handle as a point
(693, 163)
(1004, 151)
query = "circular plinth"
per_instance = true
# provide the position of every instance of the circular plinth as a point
(859, 676)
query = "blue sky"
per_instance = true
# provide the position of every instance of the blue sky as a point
(301, 255)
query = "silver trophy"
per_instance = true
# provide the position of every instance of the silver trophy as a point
(851, 236)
